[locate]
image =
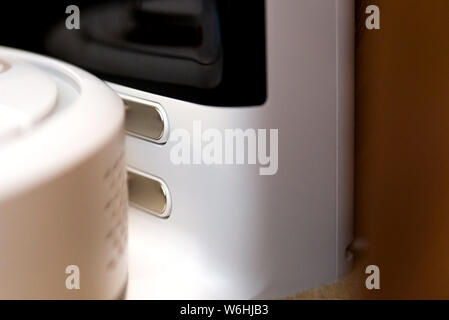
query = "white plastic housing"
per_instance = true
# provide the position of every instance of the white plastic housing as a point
(233, 233)
(63, 198)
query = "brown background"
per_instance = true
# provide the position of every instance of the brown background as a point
(402, 147)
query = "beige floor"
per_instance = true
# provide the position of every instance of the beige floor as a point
(349, 287)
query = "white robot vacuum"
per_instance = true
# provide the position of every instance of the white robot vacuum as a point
(63, 191)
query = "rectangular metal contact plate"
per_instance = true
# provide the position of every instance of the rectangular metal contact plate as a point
(148, 193)
(144, 119)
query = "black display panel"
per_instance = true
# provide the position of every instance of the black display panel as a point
(210, 52)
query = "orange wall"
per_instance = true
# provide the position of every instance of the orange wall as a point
(402, 147)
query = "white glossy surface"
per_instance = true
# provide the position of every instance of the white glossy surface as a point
(27, 95)
(66, 136)
(233, 233)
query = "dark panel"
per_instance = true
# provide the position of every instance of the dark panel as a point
(203, 51)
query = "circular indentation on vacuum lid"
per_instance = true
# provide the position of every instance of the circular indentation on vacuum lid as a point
(27, 95)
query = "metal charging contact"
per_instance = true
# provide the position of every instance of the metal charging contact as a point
(149, 193)
(145, 119)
